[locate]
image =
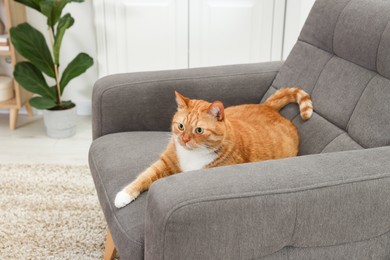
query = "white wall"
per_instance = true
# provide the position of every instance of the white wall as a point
(81, 37)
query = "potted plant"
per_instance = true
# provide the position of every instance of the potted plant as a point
(59, 115)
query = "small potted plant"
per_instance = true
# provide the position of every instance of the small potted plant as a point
(59, 115)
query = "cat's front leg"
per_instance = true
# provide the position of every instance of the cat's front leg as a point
(126, 195)
(140, 184)
(166, 166)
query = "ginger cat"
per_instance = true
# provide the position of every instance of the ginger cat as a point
(206, 135)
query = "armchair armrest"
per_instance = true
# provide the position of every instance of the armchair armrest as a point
(145, 101)
(252, 210)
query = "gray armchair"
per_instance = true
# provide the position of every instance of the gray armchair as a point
(331, 202)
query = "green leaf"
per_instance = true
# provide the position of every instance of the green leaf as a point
(75, 68)
(52, 9)
(67, 103)
(31, 78)
(64, 23)
(31, 3)
(42, 103)
(64, 105)
(31, 44)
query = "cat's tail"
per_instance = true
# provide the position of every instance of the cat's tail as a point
(285, 96)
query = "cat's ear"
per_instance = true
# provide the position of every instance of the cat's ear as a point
(216, 109)
(182, 101)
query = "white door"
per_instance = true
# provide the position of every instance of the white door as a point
(235, 31)
(140, 35)
(145, 35)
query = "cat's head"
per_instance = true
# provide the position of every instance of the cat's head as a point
(198, 123)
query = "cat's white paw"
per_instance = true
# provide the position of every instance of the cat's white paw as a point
(122, 199)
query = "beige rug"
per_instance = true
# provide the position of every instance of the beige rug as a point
(49, 212)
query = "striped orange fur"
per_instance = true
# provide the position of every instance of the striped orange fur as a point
(206, 135)
(288, 95)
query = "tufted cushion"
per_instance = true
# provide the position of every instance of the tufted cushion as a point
(320, 24)
(342, 58)
(359, 30)
(370, 122)
(338, 90)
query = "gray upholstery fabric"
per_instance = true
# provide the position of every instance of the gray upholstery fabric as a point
(146, 101)
(320, 25)
(315, 134)
(370, 122)
(342, 142)
(115, 160)
(341, 83)
(383, 59)
(326, 205)
(253, 210)
(302, 67)
(359, 30)
(377, 248)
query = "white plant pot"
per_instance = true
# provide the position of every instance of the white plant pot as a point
(60, 123)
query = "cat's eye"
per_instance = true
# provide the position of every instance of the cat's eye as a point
(180, 126)
(199, 130)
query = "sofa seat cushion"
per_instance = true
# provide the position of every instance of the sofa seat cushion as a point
(116, 160)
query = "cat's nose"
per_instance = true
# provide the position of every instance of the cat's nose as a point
(186, 139)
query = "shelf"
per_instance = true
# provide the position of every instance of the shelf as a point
(5, 53)
(10, 103)
(14, 14)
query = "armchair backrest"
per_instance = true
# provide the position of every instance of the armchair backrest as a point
(342, 58)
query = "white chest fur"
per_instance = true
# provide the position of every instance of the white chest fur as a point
(196, 159)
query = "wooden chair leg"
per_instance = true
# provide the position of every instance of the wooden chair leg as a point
(13, 117)
(110, 250)
(29, 109)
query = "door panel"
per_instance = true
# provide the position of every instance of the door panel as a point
(146, 35)
(233, 31)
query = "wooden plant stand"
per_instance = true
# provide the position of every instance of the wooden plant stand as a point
(15, 14)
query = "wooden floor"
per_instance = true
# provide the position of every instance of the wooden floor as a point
(30, 144)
